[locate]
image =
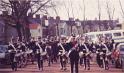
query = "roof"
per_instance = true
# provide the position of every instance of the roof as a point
(35, 21)
(33, 26)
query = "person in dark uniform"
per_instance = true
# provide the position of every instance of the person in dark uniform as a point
(110, 45)
(24, 57)
(105, 59)
(86, 57)
(81, 52)
(22, 47)
(39, 59)
(32, 45)
(81, 47)
(98, 54)
(64, 60)
(103, 55)
(85, 48)
(62, 56)
(74, 58)
(39, 56)
(49, 53)
(55, 50)
(73, 54)
(43, 46)
(13, 59)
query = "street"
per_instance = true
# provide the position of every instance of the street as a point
(55, 68)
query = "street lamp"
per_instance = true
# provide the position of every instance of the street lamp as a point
(78, 24)
(71, 23)
(57, 24)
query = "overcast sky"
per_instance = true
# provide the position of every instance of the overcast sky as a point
(91, 9)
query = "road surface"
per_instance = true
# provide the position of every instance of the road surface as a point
(55, 68)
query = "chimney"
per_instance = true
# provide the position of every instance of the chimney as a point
(51, 18)
(57, 18)
(38, 16)
(5, 12)
(30, 15)
(45, 17)
(71, 19)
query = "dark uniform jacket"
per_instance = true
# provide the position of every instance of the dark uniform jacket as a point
(74, 55)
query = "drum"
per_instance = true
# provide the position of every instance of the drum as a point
(109, 53)
(43, 53)
(81, 54)
(29, 51)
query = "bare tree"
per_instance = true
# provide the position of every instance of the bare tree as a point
(72, 8)
(99, 14)
(19, 9)
(67, 9)
(110, 12)
(84, 15)
(121, 8)
(68, 12)
(57, 21)
(72, 23)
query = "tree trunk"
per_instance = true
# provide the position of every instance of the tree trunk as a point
(18, 28)
(71, 29)
(28, 35)
(27, 30)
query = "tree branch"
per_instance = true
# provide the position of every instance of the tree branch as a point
(41, 6)
(121, 8)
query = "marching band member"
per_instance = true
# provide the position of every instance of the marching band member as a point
(13, 59)
(74, 58)
(86, 55)
(73, 54)
(39, 52)
(81, 51)
(104, 54)
(32, 45)
(98, 50)
(49, 53)
(62, 54)
(105, 57)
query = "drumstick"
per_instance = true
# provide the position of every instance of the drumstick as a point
(13, 47)
(69, 39)
(40, 48)
(62, 48)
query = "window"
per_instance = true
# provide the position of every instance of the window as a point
(3, 49)
(123, 33)
(61, 31)
(108, 35)
(117, 34)
(99, 35)
(39, 30)
(91, 36)
(122, 48)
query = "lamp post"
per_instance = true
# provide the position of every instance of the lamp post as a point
(57, 25)
(71, 23)
(78, 24)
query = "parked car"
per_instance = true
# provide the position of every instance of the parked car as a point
(122, 55)
(4, 54)
(119, 56)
